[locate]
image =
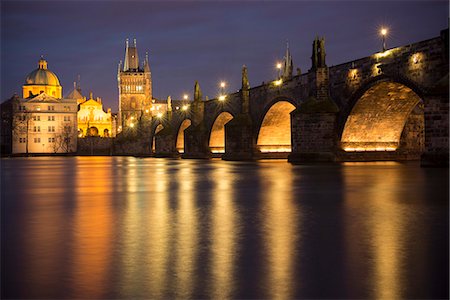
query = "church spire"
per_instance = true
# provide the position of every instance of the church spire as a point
(131, 61)
(288, 66)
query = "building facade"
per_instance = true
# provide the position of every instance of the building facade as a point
(93, 120)
(135, 87)
(40, 122)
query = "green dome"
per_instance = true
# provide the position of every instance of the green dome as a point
(42, 76)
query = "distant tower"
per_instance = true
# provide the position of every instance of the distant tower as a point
(288, 65)
(135, 86)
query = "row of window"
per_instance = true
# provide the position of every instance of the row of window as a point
(50, 128)
(38, 118)
(36, 140)
(50, 108)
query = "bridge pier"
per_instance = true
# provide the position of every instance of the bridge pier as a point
(313, 136)
(196, 142)
(436, 108)
(164, 143)
(240, 143)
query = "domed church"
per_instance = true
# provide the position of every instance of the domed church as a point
(42, 121)
(42, 80)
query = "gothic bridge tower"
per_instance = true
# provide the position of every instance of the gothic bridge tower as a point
(135, 86)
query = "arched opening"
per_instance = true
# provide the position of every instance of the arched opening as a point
(93, 131)
(217, 136)
(387, 117)
(180, 137)
(275, 132)
(158, 129)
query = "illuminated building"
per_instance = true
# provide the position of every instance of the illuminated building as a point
(135, 86)
(92, 119)
(42, 80)
(42, 121)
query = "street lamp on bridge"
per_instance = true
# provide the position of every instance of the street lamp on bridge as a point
(383, 33)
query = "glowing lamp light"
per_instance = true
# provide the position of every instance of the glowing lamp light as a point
(184, 107)
(132, 118)
(222, 84)
(383, 31)
(159, 115)
(146, 110)
(132, 125)
(278, 82)
(185, 97)
(222, 97)
(278, 65)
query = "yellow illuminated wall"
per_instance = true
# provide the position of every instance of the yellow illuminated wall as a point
(217, 137)
(275, 132)
(378, 118)
(180, 137)
(92, 120)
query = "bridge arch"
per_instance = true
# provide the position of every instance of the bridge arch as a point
(274, 127)
(216, 139)
(386, 114)
(158, 127)
(179, 143)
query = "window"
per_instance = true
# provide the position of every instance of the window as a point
(37, 140)
(51, 140)
(51, 128)
(51, 118)
(36, 118)
(51, 107)
(22, 140)
(37, 128)
(66, 118)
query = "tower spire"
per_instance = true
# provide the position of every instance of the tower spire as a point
(126, 63)
(288, 66)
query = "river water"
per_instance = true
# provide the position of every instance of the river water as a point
(124, 227)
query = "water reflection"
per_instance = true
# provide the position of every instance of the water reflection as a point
(92, 230)
(121, 227)
(224, 233)
(186, 229)
(380, 216)
(280, 217)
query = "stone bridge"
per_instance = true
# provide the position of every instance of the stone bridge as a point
(392, 105)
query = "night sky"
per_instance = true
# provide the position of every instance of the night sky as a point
(197, 40)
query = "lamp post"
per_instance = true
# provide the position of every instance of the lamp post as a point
(383, 33)
(222, 91)
(279, 70)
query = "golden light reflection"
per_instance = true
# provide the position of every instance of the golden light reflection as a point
(224, 233)
(275, 132)
(280, 220)
(45, 236)
(93, 221)
(186, 233)
(381, 226)
(159, 231)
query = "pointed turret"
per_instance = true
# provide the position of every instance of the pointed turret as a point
(245, 94)
(131, 62)
(197, 92)
(146, 64)
(245, 83)
(288, 66)
(318, 55)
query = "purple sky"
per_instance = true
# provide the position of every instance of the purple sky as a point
(197, 40)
